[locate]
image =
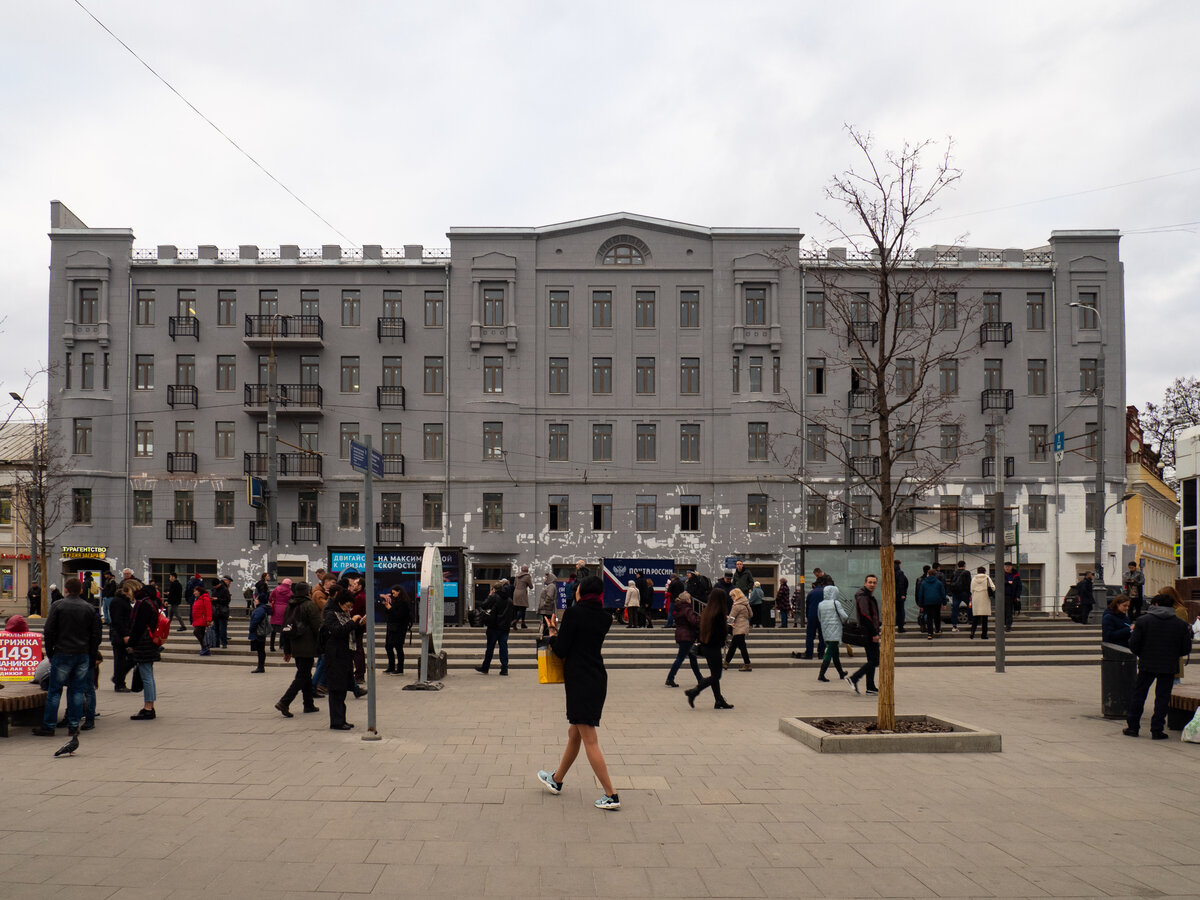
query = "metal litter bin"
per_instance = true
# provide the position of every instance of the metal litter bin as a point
(1118, 672)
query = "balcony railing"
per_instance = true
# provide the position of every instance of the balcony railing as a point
(393, 464)
(389, 534)
(289, 397)
(183, 395)
(989, 466)
(287, 329)
(865, 466)
(862, 399)
(392, 397)
(183, 326)
(181, 529)
(865, 331)
(864, 537)
(390, 327)
(179, 461)
(995, 332)
(309, 532)
(291, 465)
(260, 533)
(996, 398)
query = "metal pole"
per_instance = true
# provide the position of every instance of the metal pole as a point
(1100, 493)
(35, 521)
(369, 575)
(998, 526)
(272, 463)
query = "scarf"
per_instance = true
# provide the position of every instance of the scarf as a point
(596, 600)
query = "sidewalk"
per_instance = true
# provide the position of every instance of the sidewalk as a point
(222, 798)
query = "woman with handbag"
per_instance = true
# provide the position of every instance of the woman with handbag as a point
(713, 629)
(740, 618)
(578, 643)
(831, 616)
(632, 598)
(982, 589)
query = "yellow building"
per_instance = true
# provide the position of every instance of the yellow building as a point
(16, 460)
(1151, 514)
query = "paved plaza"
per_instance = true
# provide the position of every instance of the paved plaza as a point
(222, 798)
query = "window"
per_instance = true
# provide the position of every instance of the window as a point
(602, 512)
(145, 306)
(560, 309)
(623, 255)
(185, 303)
(860, 307)
(1035, 311)
(393, 371)
(185, 437)
(225, 440)
(493, 512)
(185, 506)
(647, 442)
(818, 513)
(185, 369)
(689, 512)
(558, 512)
(434, 372)
(432, 441)
(226, 307)
(993, 374)
(949, 442)
(602, 309)
(814, 310)
(991, 308)
(143, 372)
(1037, 377)
(6, 508)
(948, 377)
(226, 373)
(904, 311)
(261, 445)
(602, 375)
(560, 372)
(67, 377)
(434, 312)
(1090, 510)
(814, 443)
(431, 511)
(860, 440)
(310, 370)
(560, 438)
(756, 374)
(602, 443)
(1087, 376)
(268, 303)
(1038, 443)
(689, 375)
(264, 369)
(948, 513)
(737, 375)
(1089, 318)
(1089, 441)
(906, 443)
(645, 375)
(643, 309)
(143, 438)
(493, 306)
(310, 301)
(143, 507)
(814, 376)
(906, 375)
(107, 361)
(350, 373)
(776, 375)
(347, 432)
(393, 304)
(689, 443)
(689, 309)
(389, 509)
(906, 517)
(391, 439)
(756, 512)
(493, 375)
(81, 506)
(1037, 513)
(755, 297)
(87, 371)
(306, 506)
(223, 509)
(645, 513)
(859, 376)
(83, 437)
(351, 308)
(757, 438)
(88, 308)
(348, 510)
(309, 436)
(946, 312)
(493, 440)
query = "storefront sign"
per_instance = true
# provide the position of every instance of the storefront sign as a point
(84, 552)
(19, 655)
(618, 572)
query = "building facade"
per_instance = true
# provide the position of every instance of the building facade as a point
(17, 461)
(1152, 513)
(608, 387)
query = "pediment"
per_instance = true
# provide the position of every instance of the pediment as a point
(88, 259)
(1087, 264)
(494, 260)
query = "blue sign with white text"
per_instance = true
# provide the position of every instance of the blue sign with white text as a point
(617, 573)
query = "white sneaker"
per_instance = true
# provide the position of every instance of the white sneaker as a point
(955, 628)
(547, 779)
(851, 683)
(607, 802)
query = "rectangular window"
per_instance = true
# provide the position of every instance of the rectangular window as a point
(689, 375)
(391, 439)
(306, 506)
(226, 307)
(185, 437)
(906, 443)
(602, 443)
(645, 375)
(434, 374)
(948, 377)
(347, 432)
(310, 370)
(689, 309)
(756, 367)
(756, 512)
(737, 375)
(1089, 511)
(818, 513)
(81, 506)
(83, 437)
(1035, 311)
(393, 371)
(389, 509)
(493, 306)
(493, 512)
(906, 375)
(904, 311)
(602, 309)
(602, 375)
(185, 303)
(1037, 377)
(350, 374)
(560, 439)
(310, 301)
(143, 372)
(107, 366)
(145, 306)
(226, 373)
(814, 376)
(431, 512)
(1038, 443)
(264, 369)
(602, 512)
(89, 304)
(643, 309)
(1089, 441)
(560, 375)
(689, 443)
(906, 518)
(185, 369)
(1037, 513)
(493, 375)
(434, 316)
(949, 442)
(946, 312)
(87, 371)
(560, 309)
(689, 512)
(814, 443)
(860, 440)
(948, 513)
(1087, 376)
(223, 509)
(860, 308)
(143, 507)
(814, 309)
(756, 304)
(393, 304)
(776, 375)
(645, 511)
(309, 436)
(991, 308)
(348, 510)
(647, 442)
(1089, 318)
(993, 374)
(559, 517)
(268, 302)
(757, 439)
(351, 307)
(432, 441)
(493, 440)
(225, 440)
(143, 438)
(67, 376)
(6, 508)
(185, 506)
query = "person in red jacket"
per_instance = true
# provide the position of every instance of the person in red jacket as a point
(201, 616)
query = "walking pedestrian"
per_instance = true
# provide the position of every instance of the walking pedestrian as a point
(260, 627)
(397, 611)
(758, 609)
(280, 597)
(548, 597)
(632, 598)
(901, 598)
(1134, 584)
(740, 614)
(201, 617)
(645, 599)
(687, 632)
(960, 592)
(175, 600)
(34, 600)
(713, 629)
(71, 639)
(145, 652)
(221, 599)
(121, 615)
(522, 585)
(866, 609)
(1160, 640)
(339, 626)
(932, 598)
(982, 589)
(301, 624)
(108, 590)
(1012, 595)
(783, 602)
(497, 619)
(1087, 599)
(831, 615)
(812, 625)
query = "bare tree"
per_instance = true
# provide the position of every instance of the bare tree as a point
(1161, 422)
(899, 324)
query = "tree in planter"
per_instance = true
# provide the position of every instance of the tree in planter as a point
(899, 324)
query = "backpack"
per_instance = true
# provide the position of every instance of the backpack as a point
(293, 626)
(263, 628)
(162, 630)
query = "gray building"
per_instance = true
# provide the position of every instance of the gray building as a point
(607, 387)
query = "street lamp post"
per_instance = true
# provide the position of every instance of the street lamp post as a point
(36, 519)
(1098, 564)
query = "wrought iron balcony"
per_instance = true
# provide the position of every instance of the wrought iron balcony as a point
(865, 466)
(861, 399)
(292, 398)
(390, 327)
(181, 462)
(996, 399)
(181, 529)
(995, 332)
(864, 537)
(183, 395)
(300, 465)
(183, 326)
(285, 330)
(393, 464)
(989, 466)
(391, 397)
(386, 533)
(866, 331)
(309, 532)
(260, 533)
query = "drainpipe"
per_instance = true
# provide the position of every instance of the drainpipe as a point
(128, 423)
(1057, 465)
(446, 418)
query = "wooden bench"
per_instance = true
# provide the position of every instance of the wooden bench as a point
(1185, 699)
(18, 697)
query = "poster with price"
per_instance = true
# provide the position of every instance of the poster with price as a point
(19, 655)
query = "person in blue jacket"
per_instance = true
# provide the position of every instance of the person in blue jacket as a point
(932, 597)
(811, 603)
(1114, 627)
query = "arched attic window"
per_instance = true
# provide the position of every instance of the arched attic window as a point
(623, 250)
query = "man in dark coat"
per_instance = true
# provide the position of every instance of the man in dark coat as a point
(901, 596)
(175, 600)
(498, 612)
(1012, 594)
(1084, 591)
(813, 626)
(1159, 639)
(646, 598)
(121, 618)
(960, 591)
(221, 598)
(866, 610)
(301, 626)
(72, 640)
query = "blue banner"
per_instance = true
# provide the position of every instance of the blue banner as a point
(618, 572)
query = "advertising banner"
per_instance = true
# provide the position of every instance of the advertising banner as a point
(617, 573)
(19, 655)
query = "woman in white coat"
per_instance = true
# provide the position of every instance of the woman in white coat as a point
(981, 600)
(632, 603)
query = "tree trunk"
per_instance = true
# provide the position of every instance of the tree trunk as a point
(887, 637)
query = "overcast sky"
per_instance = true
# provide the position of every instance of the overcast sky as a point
(397, 121)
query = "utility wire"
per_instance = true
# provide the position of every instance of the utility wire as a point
(214, 125)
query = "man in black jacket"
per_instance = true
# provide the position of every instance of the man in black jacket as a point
(175, 600)
(901, 596)
(221, 598)
(1086, 599)
(72, 642)
(1159, 639)
(646, 598)
(866, 608)
(120, 620)
(960, 591)
(498, 612)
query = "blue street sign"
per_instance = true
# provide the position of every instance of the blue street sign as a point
(1060, 441)
(255, 492)
(358, 456)
(376, 463)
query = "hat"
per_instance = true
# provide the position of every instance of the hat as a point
(228, 578)
(54, 587)
(16, 625)
(300, 589)
(286, 581)
(728, 573)
(524, 568)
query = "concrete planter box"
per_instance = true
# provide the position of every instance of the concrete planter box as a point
(963, 739)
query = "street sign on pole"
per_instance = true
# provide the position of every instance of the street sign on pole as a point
(359, 456)
(255, 490)
(1059, 455)
(1060, 441)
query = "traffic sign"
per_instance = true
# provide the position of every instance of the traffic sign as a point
(1059, 455)
(256, 490)
(1060, 442)
(362, 456)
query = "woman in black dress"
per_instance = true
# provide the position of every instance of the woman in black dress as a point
(712, 638)
(339, 630)
(578, 642)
